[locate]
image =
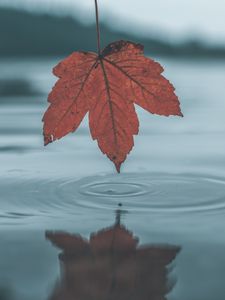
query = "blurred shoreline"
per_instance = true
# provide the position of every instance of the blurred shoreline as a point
(28, 34)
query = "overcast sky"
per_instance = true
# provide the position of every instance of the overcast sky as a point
(178, 18)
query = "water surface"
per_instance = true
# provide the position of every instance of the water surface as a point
(170, 195)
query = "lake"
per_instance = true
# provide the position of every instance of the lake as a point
(72, 228)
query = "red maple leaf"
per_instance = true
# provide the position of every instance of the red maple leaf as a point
(107, 85)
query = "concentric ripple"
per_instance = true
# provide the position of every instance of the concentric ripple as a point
(115, 189)
(145, 193)
(156, 192)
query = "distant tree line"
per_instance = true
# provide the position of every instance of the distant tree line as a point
(31, 34)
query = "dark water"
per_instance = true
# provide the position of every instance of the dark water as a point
(71, 228)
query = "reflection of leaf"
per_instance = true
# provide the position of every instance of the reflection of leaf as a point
(107, 86)
(111, 266)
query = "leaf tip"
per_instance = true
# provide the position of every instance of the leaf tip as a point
(48, 138)
(118, 166)
(181, 114)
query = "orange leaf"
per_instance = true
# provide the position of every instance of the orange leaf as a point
(107, 86)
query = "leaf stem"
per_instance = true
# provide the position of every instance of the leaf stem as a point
(97, 27)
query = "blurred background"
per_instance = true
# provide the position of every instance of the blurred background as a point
(186, 37)
(64, 186)
(56, 27)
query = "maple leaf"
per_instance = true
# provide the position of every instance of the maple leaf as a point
(106, 86)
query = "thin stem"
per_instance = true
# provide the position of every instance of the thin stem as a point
(97, 26)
